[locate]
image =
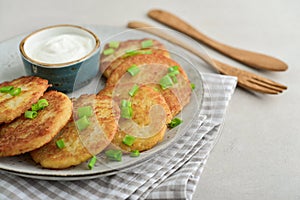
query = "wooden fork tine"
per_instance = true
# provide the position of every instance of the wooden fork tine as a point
(270, 82)
(263, 83)
(258, 88)
(250, 80)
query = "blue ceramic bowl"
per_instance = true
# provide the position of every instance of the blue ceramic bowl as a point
(63, 70)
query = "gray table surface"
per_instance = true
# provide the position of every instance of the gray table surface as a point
(257, 155)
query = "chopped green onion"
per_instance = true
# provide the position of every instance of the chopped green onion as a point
(85, 111)
(125, 103)
(42, 103)
(82, 123)
(133, 70)
(169, 79)
(166, 82)
(30, 114)
(173, 73)
(92, 162)
(108, 51)
(128, 140)
(135, 153)
(60, 143)
(126, 109)
(131, 52)
(174, 122)
(136, 52)
(114, 44)
(193, 86)
(147, 43)
(147, 52)
(35, 107)
(174, 79)
(133, 90)
(6, 89)
(15, 91)
(173, 68)
(113, 154)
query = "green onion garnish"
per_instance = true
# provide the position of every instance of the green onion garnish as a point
(169, 79)
(42, 103)
(82, 123)
(35, 107)
(15, 91)
(173, 68)
(6, 89)
(147, 43)
(113, 154)
(108, 51)
(133, 70)
(126, 109)
(132, 51)
(128, 140)
(174, 73)
(193, 86)
(114, 44)
(135, 153)
(166, 82)
(30, 114)
(92, 162)
(85, 111)
(60, 143)
(133, 90)
(147, 52)
(174, 79)
(136, 52)
(174, 122)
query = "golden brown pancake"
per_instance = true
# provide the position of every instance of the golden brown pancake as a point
(108, 63)
(32, 88)
(153, 68)
(148, 124)
(82, 145)
(24, 135)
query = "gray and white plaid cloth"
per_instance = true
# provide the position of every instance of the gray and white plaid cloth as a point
(172, 175)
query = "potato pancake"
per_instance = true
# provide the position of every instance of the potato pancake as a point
(80, 145)
(150, 114)
(32, 88)
(24, 135)
(152, 69)
(108, 63)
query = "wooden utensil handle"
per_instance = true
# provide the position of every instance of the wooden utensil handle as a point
(252, 59)
(151, 29)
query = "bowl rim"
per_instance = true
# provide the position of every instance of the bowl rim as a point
(58, 65)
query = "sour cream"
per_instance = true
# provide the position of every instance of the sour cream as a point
(62, 48)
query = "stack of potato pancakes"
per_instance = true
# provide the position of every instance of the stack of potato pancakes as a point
(145, 90)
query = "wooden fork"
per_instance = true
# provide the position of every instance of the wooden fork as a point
(246, 79)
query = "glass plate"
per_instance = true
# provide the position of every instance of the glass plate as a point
(12, 67)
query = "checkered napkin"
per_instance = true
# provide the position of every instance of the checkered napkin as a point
(171, 175)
